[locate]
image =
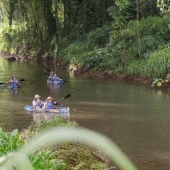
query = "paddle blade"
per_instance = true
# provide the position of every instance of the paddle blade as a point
(67, 96)
(48, 69)
(2, 83)
(46, 73)
(22, 80)
(64, 98)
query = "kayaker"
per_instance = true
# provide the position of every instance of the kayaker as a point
(56, 78)
(51, 77)
(14, 81)
(37, 103)
(49, 104)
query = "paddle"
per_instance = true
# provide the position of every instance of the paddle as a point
(46, 73)
(22, 80)
(48, 69)
(2, 83)
(7, 82)
(63, 98)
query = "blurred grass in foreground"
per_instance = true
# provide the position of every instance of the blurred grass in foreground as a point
(35, 147)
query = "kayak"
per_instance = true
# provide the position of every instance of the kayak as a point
(55, 82)
(56, 110)
(13, 86)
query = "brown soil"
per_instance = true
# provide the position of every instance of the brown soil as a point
(84, 72)
(103, 74)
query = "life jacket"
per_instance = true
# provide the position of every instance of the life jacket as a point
(14, 82)
(56, 78)
(49, 105)
(39, 105)
(51, 78)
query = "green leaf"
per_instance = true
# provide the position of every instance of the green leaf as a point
(159, 84)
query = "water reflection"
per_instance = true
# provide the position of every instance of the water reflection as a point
(55, 88)
(14, 92)
(1, 86)
(47, 116)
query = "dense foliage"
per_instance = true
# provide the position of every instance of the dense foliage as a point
(121, 37)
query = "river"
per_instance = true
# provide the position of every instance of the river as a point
(134, 116)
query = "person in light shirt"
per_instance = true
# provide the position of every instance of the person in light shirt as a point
(37, 103)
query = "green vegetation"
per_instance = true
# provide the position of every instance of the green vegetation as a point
(58, 144)
(129, 37)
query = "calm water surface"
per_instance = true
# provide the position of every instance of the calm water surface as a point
(134, 116)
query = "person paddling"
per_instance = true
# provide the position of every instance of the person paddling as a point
(14, 81)
(37, 103)
(56, 78)
(49, 104)
(51, 77)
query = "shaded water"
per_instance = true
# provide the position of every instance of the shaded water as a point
(136, 117)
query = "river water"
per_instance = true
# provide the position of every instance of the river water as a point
(134, 116)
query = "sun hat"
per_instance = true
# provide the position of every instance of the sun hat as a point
(37, 96)
(49, 98)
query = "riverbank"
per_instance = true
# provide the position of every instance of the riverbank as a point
(86, 72)
(156, 83)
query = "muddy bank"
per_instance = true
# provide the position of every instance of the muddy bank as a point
(84, 72)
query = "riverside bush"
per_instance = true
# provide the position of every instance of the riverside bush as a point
(157, 65)
(133, 42)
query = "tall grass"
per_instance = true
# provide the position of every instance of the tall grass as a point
(157, 65)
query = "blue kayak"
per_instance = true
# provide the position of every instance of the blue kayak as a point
(59, 82)
(30, 108)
